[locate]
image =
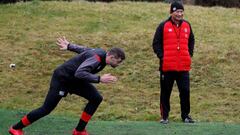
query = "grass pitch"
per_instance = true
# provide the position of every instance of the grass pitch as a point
(59, 125)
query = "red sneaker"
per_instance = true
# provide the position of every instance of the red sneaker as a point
(15, 131)
(84, 132)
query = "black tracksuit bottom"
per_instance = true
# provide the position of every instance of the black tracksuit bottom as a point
(55, 94)
(166, 81)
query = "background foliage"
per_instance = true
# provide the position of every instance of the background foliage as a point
(224, 3)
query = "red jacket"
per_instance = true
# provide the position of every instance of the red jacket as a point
(174, 46)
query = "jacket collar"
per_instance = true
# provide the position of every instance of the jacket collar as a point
(170, 19)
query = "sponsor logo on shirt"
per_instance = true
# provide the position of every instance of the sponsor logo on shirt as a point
(185, 30)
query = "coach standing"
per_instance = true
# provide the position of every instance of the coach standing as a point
(173, 44)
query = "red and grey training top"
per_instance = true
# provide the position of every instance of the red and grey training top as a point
(82, 67)
(174, 45)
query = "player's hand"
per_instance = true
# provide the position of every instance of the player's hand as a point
(108, 78)
(62, 43)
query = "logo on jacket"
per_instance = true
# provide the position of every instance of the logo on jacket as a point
(99, 67)
(185, 30)
(61, 93)
(170, 30)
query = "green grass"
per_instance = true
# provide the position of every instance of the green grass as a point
(28, 35)
(59, 125)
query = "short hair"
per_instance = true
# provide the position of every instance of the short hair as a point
(117, 52)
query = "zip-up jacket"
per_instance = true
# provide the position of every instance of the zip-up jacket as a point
(174, 45)
(82, 67)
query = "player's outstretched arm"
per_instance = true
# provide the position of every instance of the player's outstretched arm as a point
(63, 43)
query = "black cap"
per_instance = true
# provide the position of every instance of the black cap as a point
(175, 6)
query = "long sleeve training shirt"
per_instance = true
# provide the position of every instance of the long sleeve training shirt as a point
(82, 67)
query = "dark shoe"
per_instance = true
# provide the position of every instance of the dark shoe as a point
(164, 121)
(188, 119)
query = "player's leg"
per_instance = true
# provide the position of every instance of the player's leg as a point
(49, 104)
(89, 92)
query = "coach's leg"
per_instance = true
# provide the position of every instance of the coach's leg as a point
(166, 81)
(94, 98)
(183, 83)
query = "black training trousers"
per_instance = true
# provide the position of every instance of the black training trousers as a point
(57, 90)
(166, 81)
